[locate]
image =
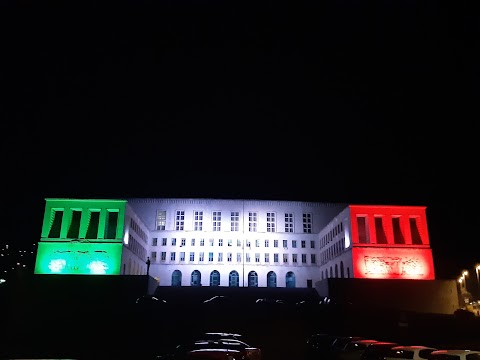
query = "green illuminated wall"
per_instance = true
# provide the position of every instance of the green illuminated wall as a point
(78, 258)
(81, 236)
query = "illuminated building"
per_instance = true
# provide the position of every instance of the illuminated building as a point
(213, 242)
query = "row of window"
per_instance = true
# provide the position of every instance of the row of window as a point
(216, 225)
(248, 243)
(229, 257)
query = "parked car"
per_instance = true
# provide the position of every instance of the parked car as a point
(219, 349)
(403, 352)
(339, 342)
(378, 350)
(319, 345)
(454, 355)
(353, 350)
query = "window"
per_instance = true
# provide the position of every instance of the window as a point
(304, 258)
(211, 242)
(307, 223)
(275, 258)
(192, 256)
(220, 257)
(285, 244)
(172, 256)
(313, 259)
(270, 222)
(239, 242)
(161, 219)
(266, 243)
(294, 244)
(248, 243)
(275, 243)
(217, 219)
(285, 258)
(239, 257)
(257, 243)
(247, 257)
(198, 220)
(179, 220)
(304, 244)
(257, 257)
(220, 242)
(183, 242)
(210, 256)
(164, 241)
(202, 242)
(288, 222)
(229, 242)
(229, 257)
(294, 258)
(182, 256)
(200, 257)
(252, 222)
(174, 241)
(234, 220)
(267, 258)
(193, 242)
(312, 244)
(154, 241)
(154, 256)
(163, 256)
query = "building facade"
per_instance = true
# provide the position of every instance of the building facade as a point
(217, 242)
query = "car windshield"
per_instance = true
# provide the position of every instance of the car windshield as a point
(402, 354)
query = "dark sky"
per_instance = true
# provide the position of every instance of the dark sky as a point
(370, 102)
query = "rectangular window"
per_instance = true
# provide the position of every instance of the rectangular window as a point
(210, 256)
(285, 258)
(74, 228)
(217, 220)
(198, 220)
(257, 243)
(220, 257)
(294, 258)
(294, 244)
(362, 230)
(200, 257)
(312, 244)
(92, 230)
(179, 220)
(275, 258)
(304, 244)
(229, 257)
(202, 242)
(192, 256)
(234, 220)
(174, 241)
(211, 242)
(239, 242)
(414, 230)
(257, 257)
(161, 219)
(266, 243)
(57, 218)
(397, 231)
(285, 244)
(252, 222)
(172, 256)
(193, 242)
(111, 225)
(154, 241)
(229, 242)
(220, 242)
(184, 242)
(380, 231)
(164, 241)
(288, 222)
(267, 258)
(304, 258)
(182, 256)
(154, 256)
(164, 256)
(247, 257)
(271, 222)
(313, 259)
(239, 257)
(307, 223)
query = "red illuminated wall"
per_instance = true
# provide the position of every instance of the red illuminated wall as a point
(390, 242)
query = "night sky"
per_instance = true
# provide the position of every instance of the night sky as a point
(361, 102)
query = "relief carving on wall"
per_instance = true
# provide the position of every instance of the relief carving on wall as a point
(388, 265)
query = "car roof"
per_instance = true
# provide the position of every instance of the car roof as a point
(412, 347)
(455, 352)
(222, 334)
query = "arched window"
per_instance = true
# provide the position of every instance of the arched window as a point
(196, 278)
(331, 272)
(290, 280)
(177, 278)
(252, 279)
(336, 270)
(233, 279)
(342, 270)
(271, 279)
(214, 278)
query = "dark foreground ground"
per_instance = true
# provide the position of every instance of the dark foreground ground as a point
(95, 319)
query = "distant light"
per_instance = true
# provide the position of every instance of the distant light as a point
(2, 281)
